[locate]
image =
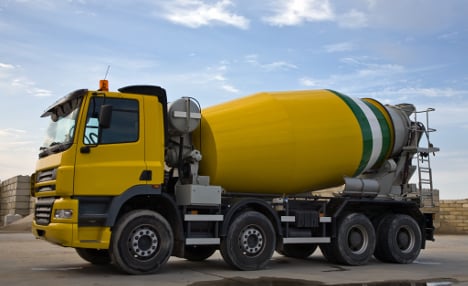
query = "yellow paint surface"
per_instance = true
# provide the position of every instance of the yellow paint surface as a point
(282, 142)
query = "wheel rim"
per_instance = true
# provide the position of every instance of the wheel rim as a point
(405, 239)
(143, 242)
(251, 241)
(358, 239)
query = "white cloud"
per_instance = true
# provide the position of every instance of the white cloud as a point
(383, 80)
(309, 82)
(269, 67)
(15, 82)
(353, 20)
(279, 65)
(229, 88)
(11, 132)
(6, 66)
(359, 75)
(29, 87)
(212, 78)
(295, 12)
(339, 47)
(219, 77)
(252, 59)
(196, 13)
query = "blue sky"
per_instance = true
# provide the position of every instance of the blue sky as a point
(395, 51)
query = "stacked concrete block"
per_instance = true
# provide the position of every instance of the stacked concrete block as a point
(454, 216)
(15, 198)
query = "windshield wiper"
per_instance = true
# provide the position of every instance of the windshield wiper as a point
(55, 147)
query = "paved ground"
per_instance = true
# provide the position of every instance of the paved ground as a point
(26, 261)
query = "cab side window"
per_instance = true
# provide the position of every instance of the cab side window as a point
(124, 125)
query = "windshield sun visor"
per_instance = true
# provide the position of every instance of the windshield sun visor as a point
(65, 105)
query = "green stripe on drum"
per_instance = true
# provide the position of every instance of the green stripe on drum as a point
(365, 130)
(386, 133)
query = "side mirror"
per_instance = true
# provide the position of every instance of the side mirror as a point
(105, 116)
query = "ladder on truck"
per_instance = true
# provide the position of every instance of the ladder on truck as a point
(425, 185)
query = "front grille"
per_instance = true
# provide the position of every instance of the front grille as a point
(43, 210)
(46, 175)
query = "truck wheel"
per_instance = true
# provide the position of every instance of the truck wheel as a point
(399, 239)
(94, 256)
(355, 240)
(141, 242)
(250, 242)
(300, 251)
(198, 252)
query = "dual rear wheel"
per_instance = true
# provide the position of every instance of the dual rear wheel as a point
(397, 239)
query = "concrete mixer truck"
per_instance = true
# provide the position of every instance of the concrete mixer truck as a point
(127, 178)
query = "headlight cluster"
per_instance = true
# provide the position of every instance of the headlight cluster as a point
(63, 213)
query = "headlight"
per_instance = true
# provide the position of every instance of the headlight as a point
(66, 213)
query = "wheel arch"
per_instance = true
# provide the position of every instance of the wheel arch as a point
(240, 205)
(146, 197)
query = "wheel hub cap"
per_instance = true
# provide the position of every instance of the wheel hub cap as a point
(251, 241)
(406, 239)
(143, 242)
(358, 239)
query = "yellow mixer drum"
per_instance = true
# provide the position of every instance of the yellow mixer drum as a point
(292, 142)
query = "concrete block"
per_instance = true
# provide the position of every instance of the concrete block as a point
(22, 191)
(11, 218)
(22, 205)
(23, 199)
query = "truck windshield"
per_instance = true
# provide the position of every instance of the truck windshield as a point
(61, 130)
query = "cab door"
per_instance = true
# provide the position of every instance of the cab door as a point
(111, 160)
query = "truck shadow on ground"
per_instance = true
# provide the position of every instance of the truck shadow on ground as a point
(274, 281)
(218, 266)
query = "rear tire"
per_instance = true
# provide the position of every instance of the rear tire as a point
(94, 256)
(198, 252)
(250, 242)
(300, 251)
(141, 242)
(399, 239)
(354, 243)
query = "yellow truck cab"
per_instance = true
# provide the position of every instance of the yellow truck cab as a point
(83, 166)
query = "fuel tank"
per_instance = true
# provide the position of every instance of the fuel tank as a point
(296, 141)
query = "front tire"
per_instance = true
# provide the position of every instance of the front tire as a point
(94, 256)
(250, 242)
(141, 242)
(399, 239)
